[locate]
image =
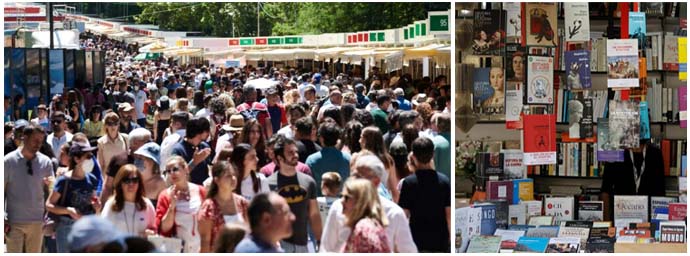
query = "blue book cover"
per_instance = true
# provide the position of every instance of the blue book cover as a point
(637, 27)
(487, 83)
(644, 120)
(683, 166)
(578, 74)
(532, 244)
(488, 226)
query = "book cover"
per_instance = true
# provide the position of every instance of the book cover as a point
(484, 244)
(580, 233)
(683, 106)
(624, 124)
(523, 190)
(606, 152)
(580, 118)
(677, 211)
(517, 214)
(661, 202)
(559, 207)
(683, 58)
(623, 63)
(499, 190)
(540, 24)
(563, 245)
(509, 238)
(488, 226)
(534, 207)
(672, 232)
(591, 210)
(653, 9)
(600, 245)
(578, 223)
(670, 52)
(490, 166)
(644, 121)
(540, 220)
(539, 137)
(532, 244)
(514, 21)
(637, 27)
(489, 36)
(630, 207)
(489, 91)
(514, 98)
(468, 224)
(602, 232)
(543, 231)
(576, 22)
(516, 66)
(501, 212)
(539, 80)
(579, 74)
(512, 164)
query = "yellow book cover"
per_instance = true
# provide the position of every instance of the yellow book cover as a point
(526, 191)
(683, 58)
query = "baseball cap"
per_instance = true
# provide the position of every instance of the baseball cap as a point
(92, 230)
(20, 124)
(79, 148)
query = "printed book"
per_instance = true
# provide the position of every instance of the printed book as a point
(532, 244)
(540, 24)
(623, 63)
(606, 152)
(576, 22)
(630, 207)
(484, 244)
(489, 36)
(539, 139)
(579, 75)
(539, 80)
(591, 210)
(562, 208)
(624, 124)
(563, 245)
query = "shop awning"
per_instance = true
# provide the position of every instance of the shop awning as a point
(153, 46)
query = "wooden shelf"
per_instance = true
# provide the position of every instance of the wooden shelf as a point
(650, 248)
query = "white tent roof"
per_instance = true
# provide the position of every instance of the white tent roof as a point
(63, 39)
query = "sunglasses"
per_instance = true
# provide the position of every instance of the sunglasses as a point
(57, 121)
(31, 170)
(111, 123)
(134, 180)
(171, 170)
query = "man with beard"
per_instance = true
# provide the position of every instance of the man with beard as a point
(60, 136)
(126, 123)
(299, 190)
(195, 150)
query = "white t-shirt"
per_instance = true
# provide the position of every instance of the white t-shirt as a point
(129, 220)
(287, 131)
(247, 187)
(139, 99)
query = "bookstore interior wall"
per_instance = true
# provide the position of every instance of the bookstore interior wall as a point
(600, 77)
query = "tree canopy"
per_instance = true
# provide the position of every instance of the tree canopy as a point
(239, 19)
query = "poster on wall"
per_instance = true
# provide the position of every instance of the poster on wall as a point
(57, 71)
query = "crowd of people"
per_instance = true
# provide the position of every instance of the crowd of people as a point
(195, 158)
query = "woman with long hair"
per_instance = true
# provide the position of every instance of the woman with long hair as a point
(365, 216)
(252, 134)
(178, 205)
(74, 194)
(147, 160)
(244, 158)
(222, 206)
(372, 141)
(129, 209)
(161, 119)
(93, 127)
(350, 138)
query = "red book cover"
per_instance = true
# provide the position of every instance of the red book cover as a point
(539, 138)
(499, 190)
(666, 155)
(523, 37)
(677, 211)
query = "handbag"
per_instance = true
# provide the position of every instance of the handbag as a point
(50, 220)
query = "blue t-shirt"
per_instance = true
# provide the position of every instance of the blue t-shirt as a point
(404, 104)
(276, 114)
(186, 151)
(78, 193)
(329, 159)
(251, 244)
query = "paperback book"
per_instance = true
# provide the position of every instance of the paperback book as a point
(563, 245)
(591, 210)
(532, 244)
(579, 74)
(540, 221)
(514, 98)
(539, 139)
(630, 207)
(637, 27)
(543, 231)
(540, 24)
(672, 232)
(516, 67)
(581, 233)
(580, 118)
(514, 21)
(489, 92)
(517, 214)
(600, 245)
(509, 238)
(512, 164)
(661, 202)
(468, 224)
(623, 63)
(484, 244)
(499, 190)
(644, 121)
(624, 124)
(523, 190)
(677, 211)
(534, 208)
(683, 107)
(488, 220)
(488, 32)
(576, 22)
(539, 80)
(606, 152)
(559, 207)
(501, 213)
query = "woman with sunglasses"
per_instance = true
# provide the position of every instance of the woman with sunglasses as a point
(365, 216)
(74, 194)
(113, 142)
(128, 209)
(244, 158)
(222, 206)
(178, 206)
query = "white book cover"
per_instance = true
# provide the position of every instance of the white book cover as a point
(580, 233)
(539, 80)
(468, 224)
(514, 97)
(533, 207)
(513, 26)
(576, 21)
(630, 207)
(517, 214)
(591, 210)
(512, 164)
(559, 207)
(540, 221)
(622, 60)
